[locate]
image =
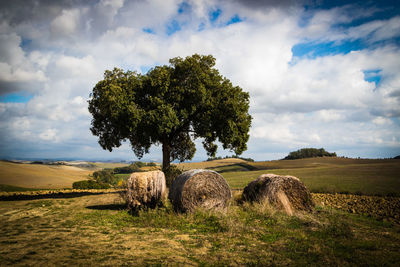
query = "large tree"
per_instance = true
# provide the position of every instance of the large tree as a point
(171, 105)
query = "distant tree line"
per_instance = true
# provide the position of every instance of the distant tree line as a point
(309, 153)
(230, 157)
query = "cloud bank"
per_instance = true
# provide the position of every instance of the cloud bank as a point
(319, 76)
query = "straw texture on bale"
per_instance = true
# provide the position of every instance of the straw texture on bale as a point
(283, 192)
(145, 189)
(199, 188)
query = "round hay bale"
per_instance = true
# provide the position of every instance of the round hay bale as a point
(199, 188)
(145, 189)
(283, 192)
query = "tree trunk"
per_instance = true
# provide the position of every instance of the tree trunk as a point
(166, 148)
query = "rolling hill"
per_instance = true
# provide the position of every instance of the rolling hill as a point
(40, 175)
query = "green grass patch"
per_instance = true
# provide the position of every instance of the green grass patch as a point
(372, 177)
(159, 218)
(11, 188)
(122, 176)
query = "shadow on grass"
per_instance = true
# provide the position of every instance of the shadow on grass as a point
(51, 195)
(108, 207)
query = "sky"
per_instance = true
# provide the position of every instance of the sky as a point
(319, 73)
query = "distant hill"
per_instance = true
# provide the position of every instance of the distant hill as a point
(397, 157)
(40, 175)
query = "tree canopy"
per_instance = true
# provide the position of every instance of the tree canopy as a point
(309, 153)
(171, 105)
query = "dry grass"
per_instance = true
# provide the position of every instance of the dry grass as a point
(40, 176)
(209, 164)
(97, 230)
(109, 165)
(318, 162)
(330, 175)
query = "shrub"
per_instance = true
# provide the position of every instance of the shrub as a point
(122, 170)
(90, 184)
(105, 176)
(171, 173)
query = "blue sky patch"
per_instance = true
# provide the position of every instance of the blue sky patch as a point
(145, 69)
(16, 98)
(214, 15)
(25, 42)
(184, 7)
(234, 19)
(148, 30)
(314, 50)
(173, 27)
(372, 76)
(201, 27)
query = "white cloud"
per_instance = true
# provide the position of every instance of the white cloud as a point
(329, 115)
(21, 123)
(10, 74)
(381, 121)
(76, 67)
(376, 30)
(49, 135)
(78, 100)
(323, 101)
(66, 23)
(14, 65)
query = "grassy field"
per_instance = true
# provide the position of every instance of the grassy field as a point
(40, 176)
(97, 230)
(109, 165)
(209, 164)
(331, 175)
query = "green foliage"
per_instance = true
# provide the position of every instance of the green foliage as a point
(90, 184)
(171, 173)
(104, 176)
(134, 167)
(125, 169)
(171, 105)
(309, 153)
